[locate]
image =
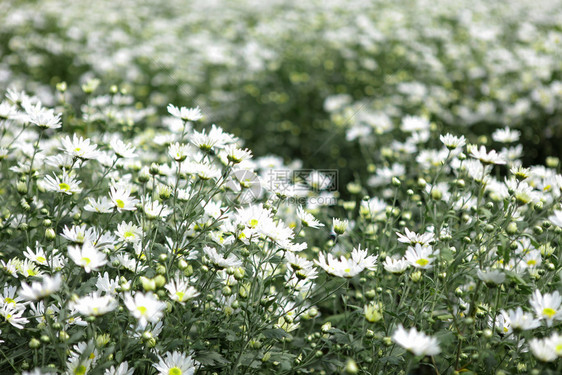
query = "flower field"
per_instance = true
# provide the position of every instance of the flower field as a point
(279, 187)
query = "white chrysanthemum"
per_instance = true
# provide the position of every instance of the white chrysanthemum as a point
(452, 142)
(414, 123)
(121, 198)
(220, 261)
(542, 350)
(420, 256)
(102, 205)
(38, 290)
(94, 304)
(186, 114)
(416, 342)
(178, 151)
(78, 147)
(122, 149)
(395, 265)
(521, 320)
(491, 157)
(87, 256)
(122, 369)
(413, 238)
(506, 135)
(180, 290)
(129, 232)
(547, 306)
(491, 276)
(175, 363)
(65, 184)
(146, 308)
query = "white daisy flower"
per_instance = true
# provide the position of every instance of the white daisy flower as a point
(416, 342)
(38, 290)
(421, 256)
(146, 308)
(175, 363)
(87, 256)
(78, 147)
(186, 114)
(547, 306)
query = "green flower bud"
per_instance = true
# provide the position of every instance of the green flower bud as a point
(351, 367)
(34, 343)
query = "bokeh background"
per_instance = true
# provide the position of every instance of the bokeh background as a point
(313, 80)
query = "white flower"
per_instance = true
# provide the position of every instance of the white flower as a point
(122, 149)
(38, 290)
(78, 147)
(45, 118)
(364, 260)
(220, 261)
(122, 369)
(186, 114)
(421, 256)
(178, 151)
(547, 306)
(237, 155)
(395, 265)
(542, 350)
(521, 320)
(87, 256)
(102, 205)
(345, 267)
(491, 157)
(491, 276)
(180, 291)
(121, 198)
(452, 142)
(13, 316)
(506, 135)
(66, 184)
(175, 363)
(146, 308)
(414, 123)
(413, 238)
(129, 232)
(94, 304)
(416, 342)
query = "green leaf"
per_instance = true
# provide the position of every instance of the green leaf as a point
(275, 333)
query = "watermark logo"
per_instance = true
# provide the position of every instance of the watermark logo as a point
(304, 187)
(244, 187)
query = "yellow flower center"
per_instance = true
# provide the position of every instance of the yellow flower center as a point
(142, 310)
(174, 371)
(347, 270)
(549, 312)
(41, 259)
(64, 186)
(128, 234)
(80, 370)
(531, 262)
(9, 300)
(120, 203)
(77, 149)
(253, 223)
(422, 262)
(558, 348)
(86, 261)
(31, 272)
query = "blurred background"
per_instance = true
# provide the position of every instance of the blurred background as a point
(319, 81)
